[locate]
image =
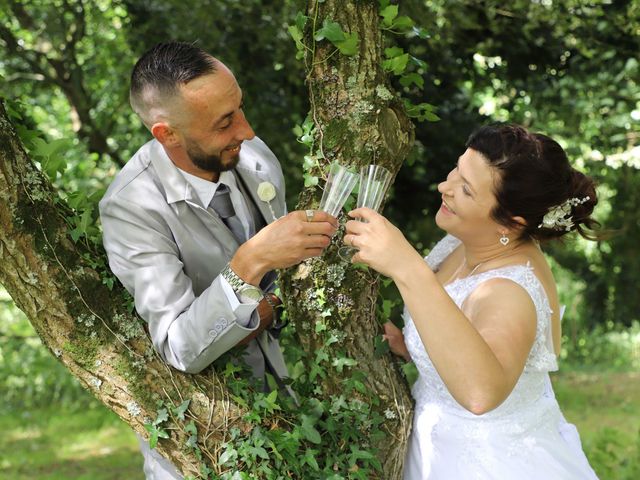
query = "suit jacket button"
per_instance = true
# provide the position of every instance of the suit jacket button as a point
(213, 333)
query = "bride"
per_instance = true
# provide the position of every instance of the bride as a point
(482, 319)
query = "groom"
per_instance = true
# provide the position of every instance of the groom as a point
(187, 231)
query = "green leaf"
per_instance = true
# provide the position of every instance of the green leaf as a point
(301, 20)
(310, 459)
(418, 62)
(420, 33)
(349, 46)
(396, 65)
(410, 372)
(330, 30)
(340, 363)
(380, 346)
(179, 411)
(297, 370)
(388, 14)
(297, 36)
(310, 181)
(259, 452)
(402, 24)
(308, 430)
(412, 78)
(392, 52)
(163, 416)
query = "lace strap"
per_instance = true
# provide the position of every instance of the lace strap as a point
(542, 356)
(440, 251)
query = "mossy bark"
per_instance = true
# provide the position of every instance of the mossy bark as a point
(358, 122)
(86, 325)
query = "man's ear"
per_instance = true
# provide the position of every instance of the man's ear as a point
(166, 135)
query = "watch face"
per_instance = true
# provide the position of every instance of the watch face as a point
(251, 293)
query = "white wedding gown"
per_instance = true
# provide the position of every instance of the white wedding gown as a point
(525, 438)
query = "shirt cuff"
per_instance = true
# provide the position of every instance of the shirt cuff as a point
(242, 308)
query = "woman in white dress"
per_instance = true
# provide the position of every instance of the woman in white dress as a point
(481, 314)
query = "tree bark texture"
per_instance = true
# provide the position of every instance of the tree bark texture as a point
(87, 326)
(358, 122)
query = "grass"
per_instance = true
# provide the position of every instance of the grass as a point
(605, 407)
(57, 444)
(94, 444)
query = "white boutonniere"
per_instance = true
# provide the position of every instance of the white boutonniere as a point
(266, 193)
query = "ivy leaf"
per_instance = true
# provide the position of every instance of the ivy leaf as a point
(420, 33)
(163, 416)
(155, 434)
(179, 411)
(393, 52)
(228, 456)
(340, 363)
(421, 111)
(418, 62)
(310, 180)
(296, 34)
(410, 372)
(310, 459)
(397, 65)
(301, 20)
(349, 46)
(412, 78)
(259, 452)
(330, 30)
(308, 429)
(380, 346)
(402, 24)
(388, 14)
(297, 370)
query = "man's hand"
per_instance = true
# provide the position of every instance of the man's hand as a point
(266, 314)
(394, 336)
(283, 243)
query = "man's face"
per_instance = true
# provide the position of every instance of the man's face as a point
(213, 125)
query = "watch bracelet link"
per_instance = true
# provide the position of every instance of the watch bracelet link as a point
(237, 284)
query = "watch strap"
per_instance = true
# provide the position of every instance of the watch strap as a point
(237, 284)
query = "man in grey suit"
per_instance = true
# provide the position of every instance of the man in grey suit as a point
(187, 231)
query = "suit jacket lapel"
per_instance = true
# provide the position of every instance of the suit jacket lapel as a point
(252, 178)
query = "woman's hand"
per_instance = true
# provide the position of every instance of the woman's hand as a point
(380, 244)
(393, 335)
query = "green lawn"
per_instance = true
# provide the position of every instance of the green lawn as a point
(93, 444)
(90, 444)
(606, 409)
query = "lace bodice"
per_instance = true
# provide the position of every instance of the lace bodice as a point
(430, 388)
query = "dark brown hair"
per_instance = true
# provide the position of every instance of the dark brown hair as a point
(534, 176)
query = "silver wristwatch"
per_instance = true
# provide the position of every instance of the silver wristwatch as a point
(240, 287)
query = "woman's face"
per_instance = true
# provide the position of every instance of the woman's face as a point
(468, 198)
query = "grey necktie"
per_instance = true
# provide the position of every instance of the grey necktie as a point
(221, 203)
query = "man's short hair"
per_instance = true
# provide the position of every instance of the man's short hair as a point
(159, 73)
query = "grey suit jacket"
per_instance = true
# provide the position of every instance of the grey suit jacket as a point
(168, 251)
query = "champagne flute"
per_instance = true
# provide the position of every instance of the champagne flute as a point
(340, 184)
(374, 183)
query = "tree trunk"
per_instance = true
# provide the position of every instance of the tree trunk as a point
(332, 304)
(87, 326)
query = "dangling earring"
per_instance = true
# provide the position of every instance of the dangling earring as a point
(504, 240)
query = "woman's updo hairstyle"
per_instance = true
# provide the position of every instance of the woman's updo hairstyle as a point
(536, 182)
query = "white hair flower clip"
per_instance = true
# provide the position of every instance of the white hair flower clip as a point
(559, 217)
(266, 193)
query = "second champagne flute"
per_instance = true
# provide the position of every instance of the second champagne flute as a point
(374, 183)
